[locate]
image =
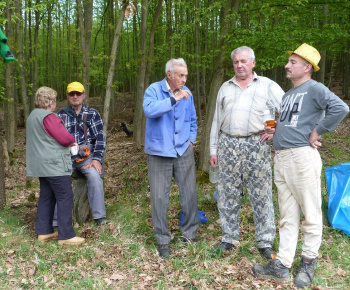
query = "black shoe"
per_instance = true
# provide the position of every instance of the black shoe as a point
(268, 253)
(102, 221)
(274, 270)
(225, 246)
(305, 272)
(164, 250)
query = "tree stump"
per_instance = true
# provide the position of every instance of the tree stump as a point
(81, 207)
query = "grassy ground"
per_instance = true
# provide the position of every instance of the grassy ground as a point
(123, 255)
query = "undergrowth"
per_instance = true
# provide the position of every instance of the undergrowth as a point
(123, 255)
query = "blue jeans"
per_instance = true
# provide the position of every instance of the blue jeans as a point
(95, 190)
(94, 184)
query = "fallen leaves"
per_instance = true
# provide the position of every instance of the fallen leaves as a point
(342, 273)
(128, 261)
(31, 272)
(117, 276)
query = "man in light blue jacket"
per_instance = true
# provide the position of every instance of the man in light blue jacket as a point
(171, 131)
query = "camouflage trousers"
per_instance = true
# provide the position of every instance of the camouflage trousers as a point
(245, 162)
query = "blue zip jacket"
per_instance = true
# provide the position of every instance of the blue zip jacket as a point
(169, 129)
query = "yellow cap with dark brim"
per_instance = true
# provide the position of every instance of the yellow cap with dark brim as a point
(308, 53)
(75, 87)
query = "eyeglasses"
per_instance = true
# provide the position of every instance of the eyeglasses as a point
(72, 94)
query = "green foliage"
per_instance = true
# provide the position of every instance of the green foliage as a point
(270, 27)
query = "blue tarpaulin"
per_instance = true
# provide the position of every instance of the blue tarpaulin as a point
(201, 216)
(338, 187)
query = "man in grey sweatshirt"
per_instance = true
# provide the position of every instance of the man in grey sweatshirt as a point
(307, 111)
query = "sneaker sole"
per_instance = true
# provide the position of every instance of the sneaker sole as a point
(279, 280)
(225, 250)
(78, 243)
(47, 240)
(52, 238)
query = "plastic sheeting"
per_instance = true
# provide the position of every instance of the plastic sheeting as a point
(201, 216)
(338, 187)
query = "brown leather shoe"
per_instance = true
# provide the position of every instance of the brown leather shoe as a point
(72, 241)
(48, 237)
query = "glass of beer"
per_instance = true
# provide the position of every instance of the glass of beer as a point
(269, 117)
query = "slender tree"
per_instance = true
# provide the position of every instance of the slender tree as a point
(10, 105)
(35, 54)
(139, 118)
(197, 65)
(85, 26)
(2, 177)
(49, 45)
(21, 61)
(115, 44)
(216, 82)
(151, 42)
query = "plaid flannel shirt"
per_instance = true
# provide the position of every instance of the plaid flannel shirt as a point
(95, 134)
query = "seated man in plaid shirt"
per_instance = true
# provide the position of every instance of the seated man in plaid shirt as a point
(85, 124)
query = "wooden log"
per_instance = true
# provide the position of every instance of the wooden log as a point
(127, 129)
(81, 208)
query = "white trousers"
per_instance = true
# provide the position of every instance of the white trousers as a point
(298, 181)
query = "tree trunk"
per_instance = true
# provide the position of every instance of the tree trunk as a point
(204, 76)
(85, 25)
(197, 84)
(30, 56)
(59, 57)
(151, 42)
(113, 57)
(10, 113)
(81, 207)
(346, 75)
(2, 177)
(322, 64)
(139, 118)
(169, 30)
(49, 44)
(215, 86)
(10, 107)
(22, 61)
(69, 54)
(35, 56)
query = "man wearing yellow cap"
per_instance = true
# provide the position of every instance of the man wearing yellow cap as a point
(85, 124)
(308, 110)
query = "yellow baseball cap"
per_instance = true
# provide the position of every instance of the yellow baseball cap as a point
(75, 87)
(308, 53)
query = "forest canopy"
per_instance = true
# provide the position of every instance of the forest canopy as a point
(50, 36)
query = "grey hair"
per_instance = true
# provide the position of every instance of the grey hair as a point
(242, 48)
(171, 64)
(312, 67)
(44, 96)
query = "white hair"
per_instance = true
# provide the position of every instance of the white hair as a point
(171, 64)
(242, 48)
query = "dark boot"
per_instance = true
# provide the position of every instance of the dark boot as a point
(268, 253)
(273, 270)
(305, 272)
(164, 250)
(225, 246)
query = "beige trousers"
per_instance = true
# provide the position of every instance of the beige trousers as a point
(297, 177)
